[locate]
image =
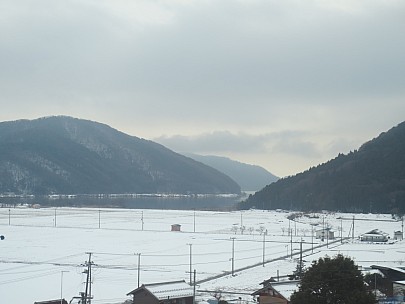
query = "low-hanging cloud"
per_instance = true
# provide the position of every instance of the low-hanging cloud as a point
(223, 142)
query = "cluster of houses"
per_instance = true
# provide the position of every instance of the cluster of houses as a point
(374, 236)
(272, 292)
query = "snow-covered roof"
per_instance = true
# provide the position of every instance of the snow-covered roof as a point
(376, 232)
(380, 267)
(284, 288)
(324, 229)
(167, 290)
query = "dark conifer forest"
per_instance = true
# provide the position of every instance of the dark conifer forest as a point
(370, 179)
(65, 155)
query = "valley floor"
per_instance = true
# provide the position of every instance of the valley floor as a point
(45, 250)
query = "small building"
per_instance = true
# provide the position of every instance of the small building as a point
(275, 292)
(325, 233)
(59, 301)
(374, 235)
(176, 292)
(398, 235)
(391, 273)
(176, 227)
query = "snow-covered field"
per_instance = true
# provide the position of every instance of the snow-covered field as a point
(44, 250)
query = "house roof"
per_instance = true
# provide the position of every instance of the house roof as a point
(265, 282)
(396, 269)
(392, 273)
(287, 288)
(165, 290)
(376, 232)
(325, 229)
(283, 289)
(52, 302)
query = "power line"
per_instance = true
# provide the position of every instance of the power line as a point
(30, 277)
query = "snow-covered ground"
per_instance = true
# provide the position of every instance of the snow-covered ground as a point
(44, 250)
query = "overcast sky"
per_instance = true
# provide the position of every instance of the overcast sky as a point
(282, 84)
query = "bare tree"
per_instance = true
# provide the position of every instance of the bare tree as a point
(234, 229)
(261, 229)
(217, 294)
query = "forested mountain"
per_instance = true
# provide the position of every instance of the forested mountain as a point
(249, 177)
(64, 155)
(371, 179)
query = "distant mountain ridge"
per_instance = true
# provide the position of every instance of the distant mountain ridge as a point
(65, 155)
(249, 177)
(371, 179)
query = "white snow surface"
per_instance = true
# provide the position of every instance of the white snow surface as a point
(166, 290)
(44, 250)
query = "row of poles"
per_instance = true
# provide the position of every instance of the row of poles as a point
(86, 296)
(99, 219)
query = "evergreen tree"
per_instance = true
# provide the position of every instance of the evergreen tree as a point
(332, 280)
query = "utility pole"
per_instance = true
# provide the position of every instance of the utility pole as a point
(139, 267)
(264, 245)
(9, 217)
(55, 218)
(323, 228)
(375, 284)
(99, 218)
(194, 220)
(61, 285)
(190, 263)
(142, 220)
(301, 259)
(233, 255)
(353, 230)
(87, 294)
(341, 231)
(291, 245)
(312, 238)
(194, 287)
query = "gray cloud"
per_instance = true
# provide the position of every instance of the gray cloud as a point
(330, 70)
(216, 142)
(219, 142)
(230, 51)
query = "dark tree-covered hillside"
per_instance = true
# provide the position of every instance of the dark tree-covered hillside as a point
(64, 155)
(371, 179)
